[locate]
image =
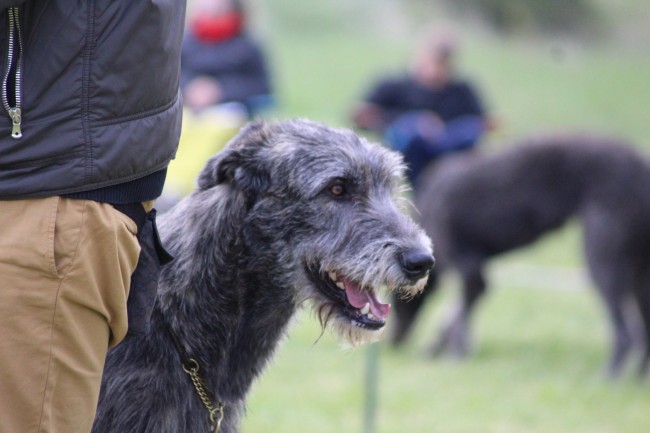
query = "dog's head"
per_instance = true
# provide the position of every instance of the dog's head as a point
(324, 207)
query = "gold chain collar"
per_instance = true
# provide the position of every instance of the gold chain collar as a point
(216, 412)
(191, 367)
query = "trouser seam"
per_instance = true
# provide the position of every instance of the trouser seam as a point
(54, 313)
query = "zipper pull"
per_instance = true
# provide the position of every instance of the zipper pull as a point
(15, 119)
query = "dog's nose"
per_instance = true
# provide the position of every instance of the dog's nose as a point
(416, 263)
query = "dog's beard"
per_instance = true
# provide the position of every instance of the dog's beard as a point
(350, 334)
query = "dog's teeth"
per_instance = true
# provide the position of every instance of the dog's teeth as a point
(332, 276)
(365, 309)
(340, 285)
(371, 316)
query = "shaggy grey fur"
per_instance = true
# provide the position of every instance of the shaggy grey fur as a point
(476, 207)
(253, 243)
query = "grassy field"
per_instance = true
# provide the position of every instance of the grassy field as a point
(536, 369)
(541, 336)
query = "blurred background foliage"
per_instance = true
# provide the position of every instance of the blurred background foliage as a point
(327, 54)
(571, 17)
(541, 334)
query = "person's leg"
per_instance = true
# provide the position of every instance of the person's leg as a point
(408, 127)
(460, 134)
(65, 266)
(414, 135)
(432, 142)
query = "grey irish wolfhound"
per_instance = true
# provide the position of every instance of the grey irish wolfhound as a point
(288, 214)
(476, 207)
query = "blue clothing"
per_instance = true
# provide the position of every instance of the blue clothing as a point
(408, 109)
(405, 135)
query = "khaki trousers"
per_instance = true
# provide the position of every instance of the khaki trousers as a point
(65, 268)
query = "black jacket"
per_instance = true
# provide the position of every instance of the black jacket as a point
(399, 95)
(98, 93)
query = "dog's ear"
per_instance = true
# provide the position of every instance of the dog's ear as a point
(240, 163)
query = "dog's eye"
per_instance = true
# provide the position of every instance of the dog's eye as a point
(337, 189)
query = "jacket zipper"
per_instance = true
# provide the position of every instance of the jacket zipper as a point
(14, 54)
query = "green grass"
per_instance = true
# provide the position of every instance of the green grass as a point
(541, 335)
(537, 368)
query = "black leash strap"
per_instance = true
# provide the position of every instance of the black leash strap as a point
(144, 280)
(135, 211)
(182, 353)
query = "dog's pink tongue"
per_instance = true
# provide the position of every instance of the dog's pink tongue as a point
(358, 298)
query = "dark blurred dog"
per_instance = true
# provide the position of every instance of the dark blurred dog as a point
(476, 207)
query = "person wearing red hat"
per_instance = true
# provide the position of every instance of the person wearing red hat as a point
(220, 62)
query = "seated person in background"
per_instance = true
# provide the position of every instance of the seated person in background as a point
(220, 63)
(427, 112)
